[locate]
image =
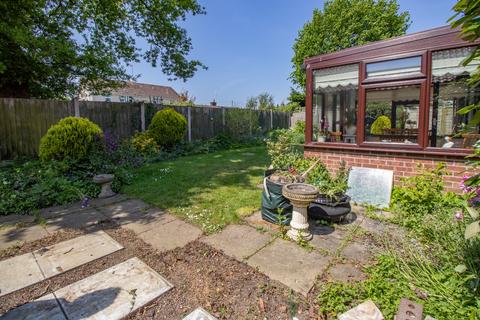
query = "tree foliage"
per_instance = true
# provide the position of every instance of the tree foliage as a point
(53, 48)
(343, 24)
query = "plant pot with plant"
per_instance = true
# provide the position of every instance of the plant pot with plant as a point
(322, 132)
(332, 203)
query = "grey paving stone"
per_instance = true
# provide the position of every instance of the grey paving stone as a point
(326, 237)
(113, 293)
(346, 272)
(76, 220)
(100, 202)
(69, 254)
(199, 314)
(256, 221)
(13, 219)
(171, 235)
(52, 212)
(10, 236)
(290, 264)
(18, 272)
(360, 251)
(238, 241)
(123, 207)
(141, 221)
(46, 308)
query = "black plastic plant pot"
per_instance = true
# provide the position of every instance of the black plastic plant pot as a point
(330, 209)
(275, 207)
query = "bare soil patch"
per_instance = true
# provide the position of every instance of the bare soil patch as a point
(201, 275)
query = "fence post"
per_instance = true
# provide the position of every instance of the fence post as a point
(271, 119)
(142, 115)
(189, 119)
(223, 119)
(76, 107)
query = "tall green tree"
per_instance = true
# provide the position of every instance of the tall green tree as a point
(54, 48)
(343, 24)
(265, 101)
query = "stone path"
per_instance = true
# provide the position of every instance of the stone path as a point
(335, 253)
(27, 269)
(109, 295)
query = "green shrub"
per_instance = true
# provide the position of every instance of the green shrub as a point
(70, 137)
(144, 144)
(381, 123)
(168, 127)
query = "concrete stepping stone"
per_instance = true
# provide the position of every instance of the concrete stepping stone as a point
(27, 269)
(18, 272)
(238, 241)
(199, 314)
(113, 293)
(45, 307)
(123, 207)
(75, 252)
(346, 272)
(77, 220)
(326, 237)
(256, 221)
(362, 252)
(290, 264)
(141, 221)
(10, 236)
(171, 235)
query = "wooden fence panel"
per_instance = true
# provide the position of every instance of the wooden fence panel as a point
(24, 121)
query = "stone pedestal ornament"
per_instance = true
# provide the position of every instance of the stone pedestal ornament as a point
(300, 196)
(105, 181)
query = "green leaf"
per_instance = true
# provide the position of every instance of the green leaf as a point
(467, 109)
(472, 230)
(461, 268)
(473, 212)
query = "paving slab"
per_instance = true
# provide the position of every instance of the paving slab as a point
(123, 207)
(290, 264)
(365, 311)
(256, 221)
(18, 272)
(113, 293)
(238, 241)
(171, 235)
(75, 252)
(360, 251)
(77, 220)
(346, 272)
(141, 221)
(45, 307)
(199, 314)
(10, 236)
(327, 237)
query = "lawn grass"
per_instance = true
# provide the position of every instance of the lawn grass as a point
(209, 190)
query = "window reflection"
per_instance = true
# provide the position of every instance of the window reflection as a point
(335, 104)
(392, 114)
(449, 93)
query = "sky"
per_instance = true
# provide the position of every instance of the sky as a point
(247, 46)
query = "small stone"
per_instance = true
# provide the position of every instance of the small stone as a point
(365, 311)
(429, 318)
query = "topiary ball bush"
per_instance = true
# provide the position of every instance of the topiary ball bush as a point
(381, 123)
(71, 137)
(168, 127)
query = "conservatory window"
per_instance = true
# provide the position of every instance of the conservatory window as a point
(335, 104)
(394, 68)
(449, 93)
(392, 114)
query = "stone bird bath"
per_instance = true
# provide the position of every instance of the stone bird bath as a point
(300, 196)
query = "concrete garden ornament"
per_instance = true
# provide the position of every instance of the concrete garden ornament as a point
(300, 196)
(105, 181)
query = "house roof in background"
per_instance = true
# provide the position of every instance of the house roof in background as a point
(136, 89)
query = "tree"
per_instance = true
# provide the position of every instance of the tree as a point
(252, 103)
(343, 24)
(265, 101)
(54, 48)
(296, 97)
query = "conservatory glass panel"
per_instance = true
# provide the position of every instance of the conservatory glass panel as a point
(394, 68)
(449, 93)
(335, 104)
(392, 114)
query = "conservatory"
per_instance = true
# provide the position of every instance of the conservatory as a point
(393, 104)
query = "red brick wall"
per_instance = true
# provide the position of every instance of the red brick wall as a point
(402, 165)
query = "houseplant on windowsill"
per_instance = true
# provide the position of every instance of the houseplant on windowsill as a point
(322, 133)
(332, 203)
